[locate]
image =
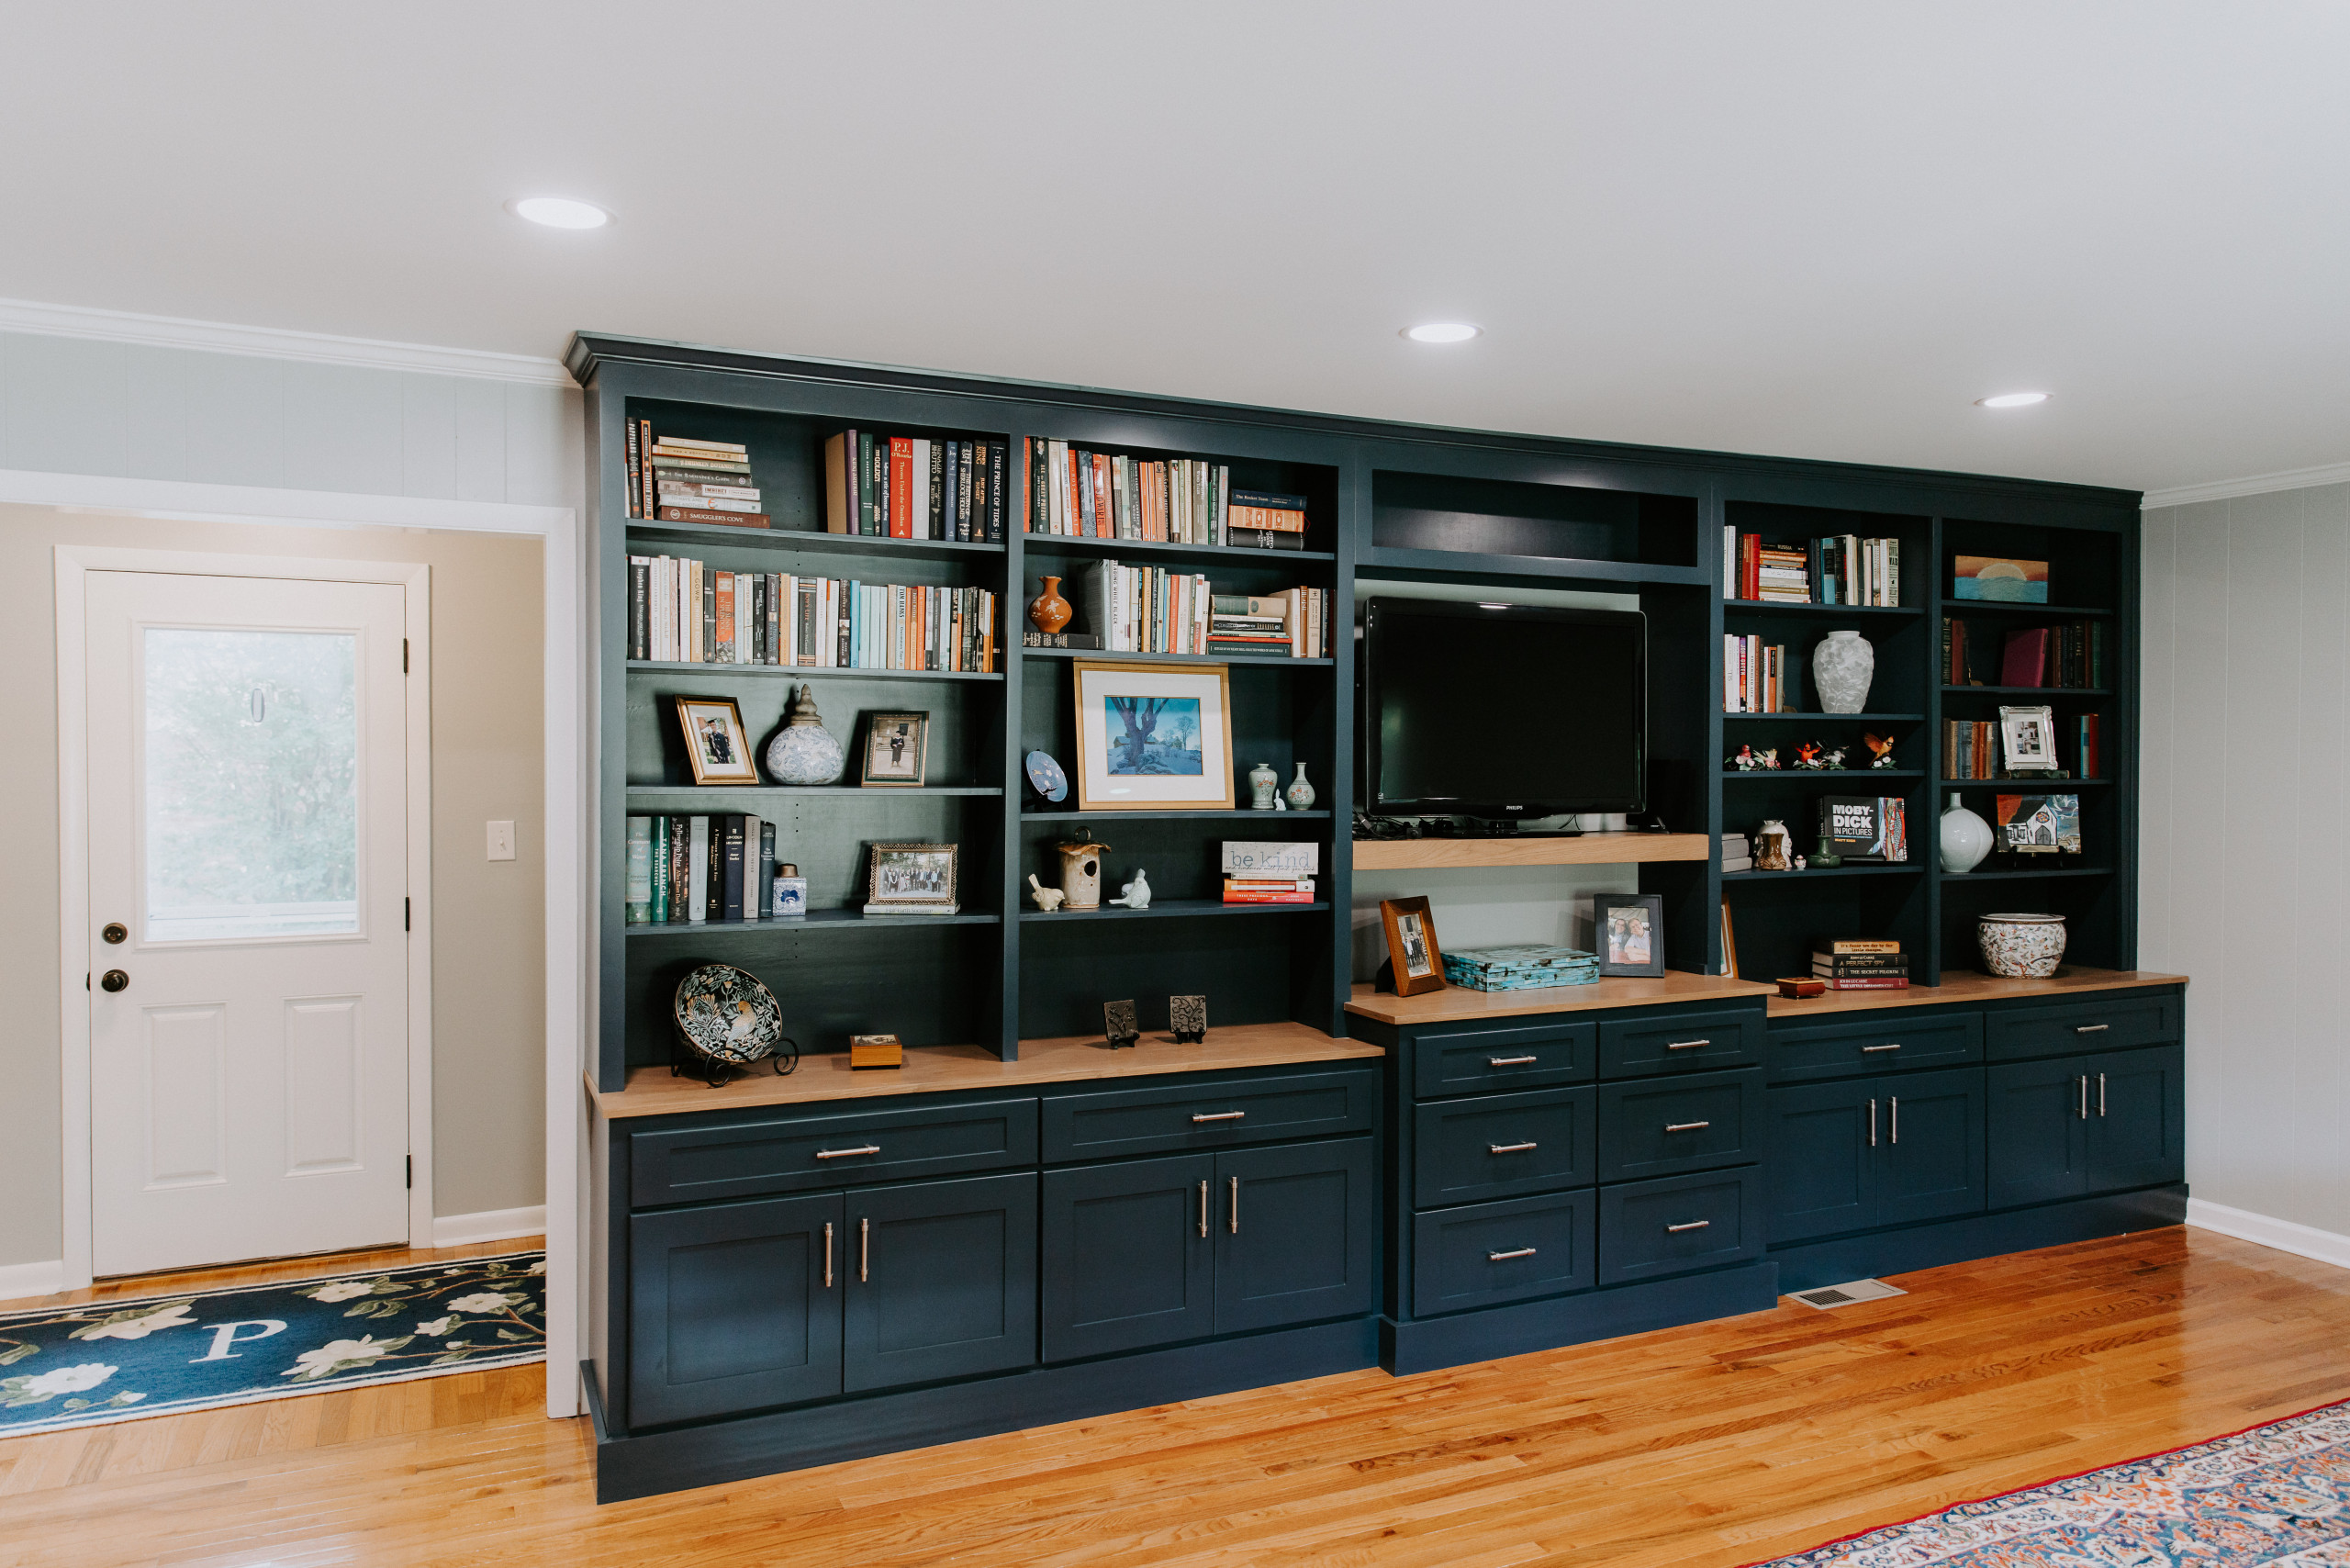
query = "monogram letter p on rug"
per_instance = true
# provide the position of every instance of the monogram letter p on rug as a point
(116, 1361)
(2276, 1495)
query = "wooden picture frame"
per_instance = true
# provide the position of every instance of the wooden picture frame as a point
(1629, 931)
(912, 878)
(896, 754)
(1129, 712)
(1729, 945)
(718, 746)
(1412, 950)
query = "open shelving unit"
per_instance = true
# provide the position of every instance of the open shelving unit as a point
(1388, 506)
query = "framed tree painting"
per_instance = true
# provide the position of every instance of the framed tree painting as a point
(1151, 736)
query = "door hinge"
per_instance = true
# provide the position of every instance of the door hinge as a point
(408, 914)
(403, 656)
(411, 1173)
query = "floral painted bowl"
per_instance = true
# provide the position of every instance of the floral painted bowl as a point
(727, 1015)
(2021, 946)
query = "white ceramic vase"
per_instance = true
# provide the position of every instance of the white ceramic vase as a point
(1966, 838)
(1841, 667)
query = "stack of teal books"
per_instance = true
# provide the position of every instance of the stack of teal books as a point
(1530, 967)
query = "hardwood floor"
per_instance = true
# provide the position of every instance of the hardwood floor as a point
(1704, 1446)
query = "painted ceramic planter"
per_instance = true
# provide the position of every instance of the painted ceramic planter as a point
(2021, 946)
(1842, 666)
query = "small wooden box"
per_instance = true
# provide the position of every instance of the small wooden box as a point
(1798, 987)
(875, 1051)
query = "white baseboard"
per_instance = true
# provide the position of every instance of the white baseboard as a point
(490, 1225)
(32, 1279)
(2302, 1240)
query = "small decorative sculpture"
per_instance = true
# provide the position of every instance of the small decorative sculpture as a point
(1882, 746)
(1048, 611)
(1744, 760)
(804, 752)
(1118, 1024)
(1136, 892)
(1770, 847)
(1797, 864)
(1769, 759)
(1834, 760)
(1808, 756)
(1046, 899)
(1082, 875)
(1189, 1014)
(1827, 855)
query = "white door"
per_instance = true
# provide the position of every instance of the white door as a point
(248, 890)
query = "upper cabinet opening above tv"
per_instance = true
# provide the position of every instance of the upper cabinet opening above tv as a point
(1434, 522)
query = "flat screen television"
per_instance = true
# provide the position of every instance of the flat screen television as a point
(1503, 714)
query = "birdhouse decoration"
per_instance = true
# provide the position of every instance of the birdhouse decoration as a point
(1082, 875)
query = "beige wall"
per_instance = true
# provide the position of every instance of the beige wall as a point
(488, 938)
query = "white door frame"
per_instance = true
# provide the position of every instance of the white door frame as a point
(570, 787)
(74, 563)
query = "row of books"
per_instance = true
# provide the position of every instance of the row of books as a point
(910, 487)
(1974, 749)
(1268, 889)
(2069, 655)
(1180, 500)
(1150, 609)
(1861, 965)
(692, 869)
(1839, 569)
(677, 479)
(1755, 677)
(1867, 829)
(682, 610)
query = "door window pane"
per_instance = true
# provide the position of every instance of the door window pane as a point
(252, 784)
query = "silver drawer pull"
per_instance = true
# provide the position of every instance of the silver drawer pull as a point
(1219, 1116)
(1510, 1061)
(1686, 1045)
(1690, 1224)
(2091, 1028)
(1866, 1051)
(1507, 1147)
(1686, 1127)
(1505, 1257)
(844, 1153)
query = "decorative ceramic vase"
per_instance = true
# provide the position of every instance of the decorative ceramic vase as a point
(1841, 667)
(1770, 847)
(2021, 946)
(1262, 780)
(805, 751)
(1048, 611)
(1082, 875)
(1299, 794)
(1966, 838)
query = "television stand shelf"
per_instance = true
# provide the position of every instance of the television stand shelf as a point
(1589, 850)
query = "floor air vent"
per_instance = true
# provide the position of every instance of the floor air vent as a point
(1826, 1296)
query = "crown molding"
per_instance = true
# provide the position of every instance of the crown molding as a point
(275, 343)
(2250, 485)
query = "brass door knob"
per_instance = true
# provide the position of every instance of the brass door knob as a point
(115, 931)
(112, 980)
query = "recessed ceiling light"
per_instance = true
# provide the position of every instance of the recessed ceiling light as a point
(560, 212)
(1443, 332)
(1483, 605)
(2011, 400)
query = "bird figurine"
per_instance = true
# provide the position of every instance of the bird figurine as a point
(1048, 899)
(1137, 892)
(1882, 746)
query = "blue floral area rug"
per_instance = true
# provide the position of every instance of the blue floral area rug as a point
(2276, 1495)
(117, 1361)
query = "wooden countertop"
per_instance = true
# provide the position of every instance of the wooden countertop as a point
(1455, 1004)
(1589, 849)
(2068, 981)
(934, 1070)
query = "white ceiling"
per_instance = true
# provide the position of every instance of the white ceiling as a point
(1818, 229)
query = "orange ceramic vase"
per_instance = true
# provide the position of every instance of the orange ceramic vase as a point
(1048, 610)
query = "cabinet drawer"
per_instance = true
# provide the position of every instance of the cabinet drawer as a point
(2082, 1026)
(1664, 1127)
(680, 1165)
(1680, 1042)
(1679, 1223)
(1501, 1145)
(1884, 1044)
(1488, 1253)
(1473, 1061)
(1211, 1114)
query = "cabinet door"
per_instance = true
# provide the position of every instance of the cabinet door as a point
(1822, 1175)
(940, 1281)
(1126, 1257)
(1297, 1236)
(733, 1307)
(1930, 1164)
(2137, 1107)
(2038, 1139)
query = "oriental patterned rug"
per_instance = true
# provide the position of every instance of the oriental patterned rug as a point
(118, 1360)
(2276, 1495)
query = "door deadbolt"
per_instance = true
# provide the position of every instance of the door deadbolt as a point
(112, 980)
(115, 931)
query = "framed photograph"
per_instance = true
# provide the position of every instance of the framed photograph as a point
(716, 743)
(1629, 931)
(897, 751)
(1152, 735)
(2028, 737)
(1411, 946)
(1729, 945)
(912, 878)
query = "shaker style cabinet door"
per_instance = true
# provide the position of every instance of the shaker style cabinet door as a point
(1821, 1180)
(733, 1307)
(2137, 1108)
(2038, 1136)
(1127, 1262)
(939, 1280)
(1930, 1164)
(1296, 1234)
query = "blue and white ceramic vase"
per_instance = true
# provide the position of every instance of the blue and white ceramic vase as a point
(805, 751)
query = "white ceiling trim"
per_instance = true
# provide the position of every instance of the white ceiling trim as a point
(2251, 485)
(191, 502)
(275, 343)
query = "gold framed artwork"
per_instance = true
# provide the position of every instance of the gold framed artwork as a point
(1411, 949)
(897, 751)
(717, 745)
(1152, 735)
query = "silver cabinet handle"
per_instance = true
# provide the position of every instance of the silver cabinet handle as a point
(844, 1153)
(1509, 1147)
(2100, 1094)
(828, 1254)
(1686, 1045)
(1219, 1116)
(1686, 1126)
(1510, 1061)
(1203, 1211)
(1870, 1051)
(2091, 1028)
(1505, 1257)
(864, 1251)
(1871, 1124)
(1687, 1224)
(1896, 1119)
(1236, 1205)
(2084, 1082)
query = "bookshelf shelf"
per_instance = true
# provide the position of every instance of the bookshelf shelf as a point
(2027, 691)
(1171, 909)
(806, 539)
(1588, 849)
(1951, 878)
(1148, 549)
(1911, 869)
(1242, 814)
(1968, 609)
(1818, 611)
(1467, 566)
(1831, 718)
(805, 672)
(1828, 774)
(2042, 786)
(1275, 662)
(826, 920)
(835, 791)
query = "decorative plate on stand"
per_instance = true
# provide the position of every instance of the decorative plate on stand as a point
(726, 1020)
(1045, 776)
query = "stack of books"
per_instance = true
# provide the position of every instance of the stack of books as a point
(1738, 853)
(1263, 520)
(683, 612)
(1268, 890)
(1861, 965)
(910, 487)
(1840, 569)
(1260, 872)
(1755, 677)
(1288, 623)
(676, 478)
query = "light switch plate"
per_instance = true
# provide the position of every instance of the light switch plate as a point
(502, 841)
